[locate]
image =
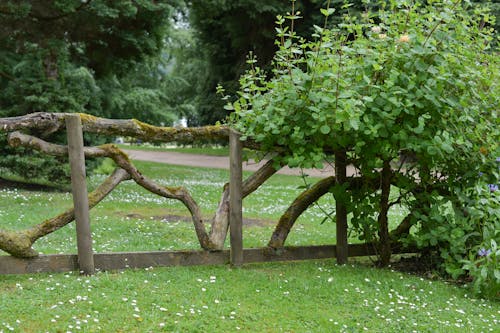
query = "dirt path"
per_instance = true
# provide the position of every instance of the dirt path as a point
(219, 162)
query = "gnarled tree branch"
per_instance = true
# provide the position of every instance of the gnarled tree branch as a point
(306, 199)
(47, 123)
(402, 229)
(19, 243)
(299, 205)
(220, 222)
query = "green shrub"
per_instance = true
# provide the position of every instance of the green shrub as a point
(412, 79)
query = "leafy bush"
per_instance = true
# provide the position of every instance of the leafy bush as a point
(481, 259)
(417, 80)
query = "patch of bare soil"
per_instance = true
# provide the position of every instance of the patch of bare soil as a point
(426, 265)
(415, 264)
(169, 218)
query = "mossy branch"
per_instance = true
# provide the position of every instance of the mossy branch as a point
(47, 123)
(122, 160)
(19, 243)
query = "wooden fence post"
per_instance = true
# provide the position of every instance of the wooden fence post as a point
(235, 198)
(341, 210)
(80, 196)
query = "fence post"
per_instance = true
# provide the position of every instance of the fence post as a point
(235, 198)
(341, 210)
(80, 196)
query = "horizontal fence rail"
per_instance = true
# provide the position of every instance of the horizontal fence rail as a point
(123, 260)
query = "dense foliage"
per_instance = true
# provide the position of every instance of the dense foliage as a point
(409, 95)
(229, 30)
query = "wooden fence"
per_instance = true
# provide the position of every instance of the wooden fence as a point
(88, 262)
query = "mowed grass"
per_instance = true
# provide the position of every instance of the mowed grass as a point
(312, 296)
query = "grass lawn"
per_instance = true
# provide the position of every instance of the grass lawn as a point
(313, 296)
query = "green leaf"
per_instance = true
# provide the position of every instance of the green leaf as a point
(447, 147)
(325, 129)
(327, 12)
(484, 272)
(354, 123)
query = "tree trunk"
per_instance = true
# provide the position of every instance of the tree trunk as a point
(383, 223)
(341, 209)
(50, 65)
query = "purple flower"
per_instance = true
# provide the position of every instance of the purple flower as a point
(493, 187)
(483, 252)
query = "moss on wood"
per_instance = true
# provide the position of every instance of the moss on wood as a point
(17, 244)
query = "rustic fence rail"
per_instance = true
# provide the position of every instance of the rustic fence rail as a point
(87, 262)
(125, 260)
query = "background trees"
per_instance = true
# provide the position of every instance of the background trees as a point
(229, 30)
(97, 56)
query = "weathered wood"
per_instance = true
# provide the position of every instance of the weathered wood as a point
(341, 210)
(18, 243)
(291, 253)
(54, 263)
(124, 260)
(113, 261)
(80, 196)
(235, 198)
(17, 139)
(47, 122)
(299, 205)
(220, 222)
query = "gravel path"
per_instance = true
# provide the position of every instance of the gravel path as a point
(219, 162)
